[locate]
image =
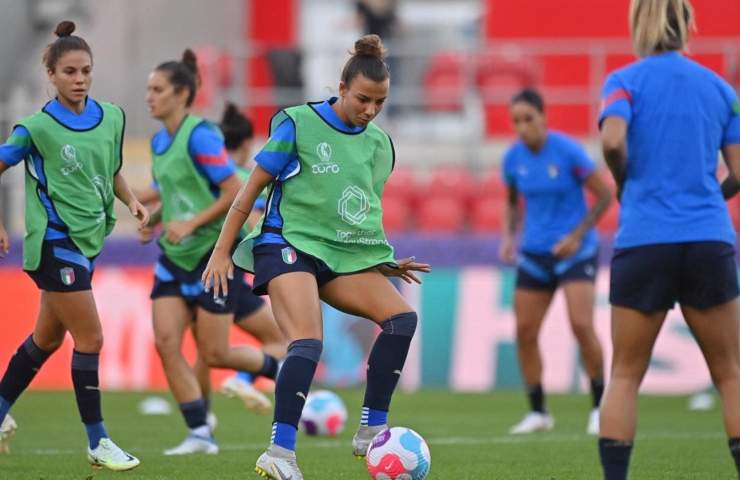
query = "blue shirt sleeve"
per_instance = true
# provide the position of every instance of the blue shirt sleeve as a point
(17, 147)
(732, 128)
(207, 149)
(279, 156)
(616, 100)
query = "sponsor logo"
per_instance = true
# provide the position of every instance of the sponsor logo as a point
(67, 275)
(69, 156)
(301, 395)
(353, 205)
(103, 187)
(552, 170)
(289, 255)
(589, 270)
(323, 150)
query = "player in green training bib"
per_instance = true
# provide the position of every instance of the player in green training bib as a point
(72, 152)
(251, 313)
(322, 238)
(196, 183)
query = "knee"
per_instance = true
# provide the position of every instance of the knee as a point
(582, 331)
(166, 345)
(526, 333)
(213, 357)
(50, 344)
(89, 343)
(403, 324)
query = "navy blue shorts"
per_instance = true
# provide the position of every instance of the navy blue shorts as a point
(246, 301)
(546, 271)
(272, 260)
(651, 278)
(63, 268)
(173, 281)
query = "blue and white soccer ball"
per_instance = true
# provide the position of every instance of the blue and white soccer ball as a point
(398, 453)
(323, 414)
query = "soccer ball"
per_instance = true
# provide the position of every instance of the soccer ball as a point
(398, 453)
(323, 414)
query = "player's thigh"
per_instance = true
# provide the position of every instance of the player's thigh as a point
(530, 307)
(171, 317)
(48, 333)
(579, 297)
(212, 329)
(367, 294)
(294, 297)
(261, 324)
(633, 337)
(717, 331)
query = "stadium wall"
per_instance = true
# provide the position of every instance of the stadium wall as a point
(465, 343)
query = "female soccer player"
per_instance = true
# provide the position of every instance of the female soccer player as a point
(196, 182)
(72, 149)
(322, 239)
(559, 247)
(251, 314)
(663, 121)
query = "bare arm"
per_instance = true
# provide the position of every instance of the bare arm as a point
(595, 185)
(126, 196)
(146, 195)
(4, 237)
(731, 184)
(506, 249)
(220, 268)
(179, 229)
(614, 146)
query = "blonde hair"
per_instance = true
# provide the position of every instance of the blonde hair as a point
(660, 25)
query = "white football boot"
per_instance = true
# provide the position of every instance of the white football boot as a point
(253, 399)
(194, 444)
(533, 422)
(7, 430)
(109, 455)
(278, 463)
(364, 437)
(593, 422)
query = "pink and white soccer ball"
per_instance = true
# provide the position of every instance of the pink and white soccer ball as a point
(323, 414)
(398, 453)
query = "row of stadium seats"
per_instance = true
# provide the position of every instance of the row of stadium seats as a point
(453, 200)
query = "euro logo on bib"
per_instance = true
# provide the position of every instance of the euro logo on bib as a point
(289, 255)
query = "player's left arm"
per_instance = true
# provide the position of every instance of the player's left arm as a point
(123, 192)
(731, 146)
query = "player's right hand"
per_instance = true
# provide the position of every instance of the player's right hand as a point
(218, 272)
(4, 241)
(506, 251)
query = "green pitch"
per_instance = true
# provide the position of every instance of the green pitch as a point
(466, 435)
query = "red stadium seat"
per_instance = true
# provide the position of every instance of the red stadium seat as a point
(444, 82)
(396, 214)
(453, 182)
(440, 215)
(491, 185)
(404, 184)
(488, 215)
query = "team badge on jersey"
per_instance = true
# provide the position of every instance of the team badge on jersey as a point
(323, 150)
(289, 255)
(552, 170)
(68, 275)
(69, 156)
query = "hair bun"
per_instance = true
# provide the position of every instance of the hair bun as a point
(231, 113)
(371, 46)
(190, 61)
(65, 29)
